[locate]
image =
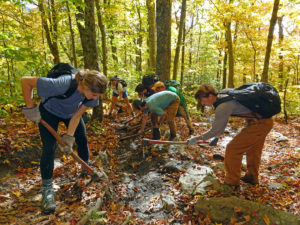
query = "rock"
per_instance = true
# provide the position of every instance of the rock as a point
(221, 210)
(168, 202)
(174, 166)
(275, 185)
(194, 180)
(281, 139)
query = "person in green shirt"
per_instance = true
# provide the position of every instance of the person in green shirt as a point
(182, 109)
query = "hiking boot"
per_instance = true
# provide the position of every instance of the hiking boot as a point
(48, 201)
(248, 178)
(156, 134)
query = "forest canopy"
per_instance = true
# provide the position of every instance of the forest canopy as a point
(211, 41)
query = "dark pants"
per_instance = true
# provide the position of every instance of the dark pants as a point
(49, 142)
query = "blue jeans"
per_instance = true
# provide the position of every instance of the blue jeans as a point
(49, 141)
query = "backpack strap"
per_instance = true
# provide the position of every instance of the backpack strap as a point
(222, 100)
(72, 88)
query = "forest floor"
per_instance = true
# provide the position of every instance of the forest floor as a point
(138, 175)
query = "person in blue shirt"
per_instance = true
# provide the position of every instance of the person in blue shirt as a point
(119, 91)
(164, 104)
(90, 85)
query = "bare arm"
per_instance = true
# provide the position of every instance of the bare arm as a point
(75, 120)
(28, 83)
(144, 121)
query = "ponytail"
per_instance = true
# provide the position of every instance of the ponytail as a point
(95, 81)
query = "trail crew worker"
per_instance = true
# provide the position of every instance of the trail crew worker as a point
(119, 91)
(182, 109)
(249, 141)
(91, 84)
(164, 104)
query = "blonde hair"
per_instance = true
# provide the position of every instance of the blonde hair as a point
(95, 81)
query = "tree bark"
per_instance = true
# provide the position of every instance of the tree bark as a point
(280, 69)
(152, 35)
(163, 24)
(182, 56)
(74, 58)
(270, 40)
(51, 29)
(179, 39)
(139, 42)
(89, 45)
(103, 37)
(224, 71)
(230, 55)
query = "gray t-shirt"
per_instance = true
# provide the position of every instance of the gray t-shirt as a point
(222, 114)
(63, 108)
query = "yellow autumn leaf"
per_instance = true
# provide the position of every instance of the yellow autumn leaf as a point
(266, 219)
(247, 218)
(236, 209)
(17, 193)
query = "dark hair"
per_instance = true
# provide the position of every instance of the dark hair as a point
(140, 88)
(138, 102)
(95, 81)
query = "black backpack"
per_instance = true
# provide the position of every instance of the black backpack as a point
(63, 69)
(149, 79)
(121, 81)
(259, 97)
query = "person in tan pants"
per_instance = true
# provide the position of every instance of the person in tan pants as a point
(164, 104)
(249, 141)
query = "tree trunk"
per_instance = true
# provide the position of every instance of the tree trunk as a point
(163, 25)
(74, 61)
(89, 45)
(103, 37)
(230, 55)
(182, 55)
(139, 43)
(178, 46)
(88, 35)
(270, 40)
(280, 71)
(51, 32)
(224, 71)
(152, 35)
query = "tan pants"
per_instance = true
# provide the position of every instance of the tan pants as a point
(171, 114)
(249, 141)
(183, 113)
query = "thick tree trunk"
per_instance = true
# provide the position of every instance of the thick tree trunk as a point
(152, 35)
(88, 35)
(89, 45)
(103, 37)
(163, 25)
(270, 40)
(179, 39)
(51, 32)
(74, 58)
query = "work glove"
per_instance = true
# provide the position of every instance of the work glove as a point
(192, 140)
(32, 114)
(69, 141)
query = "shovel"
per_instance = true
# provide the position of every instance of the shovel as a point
(75, 157)
(147, 141)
